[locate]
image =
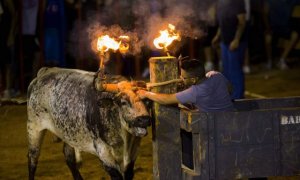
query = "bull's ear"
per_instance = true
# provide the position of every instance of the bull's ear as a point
(105, 102)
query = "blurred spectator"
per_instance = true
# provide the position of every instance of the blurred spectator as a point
(280, 24)
(232, 21)
(246, 66)
(1, 8)
(72, 14)
(8, 23)
(30, 42)
(211, 29)
(54, 24)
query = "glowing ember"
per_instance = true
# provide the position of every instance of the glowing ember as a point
(166, 37)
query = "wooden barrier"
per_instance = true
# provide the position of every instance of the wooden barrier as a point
(166, 129)
(261, 139)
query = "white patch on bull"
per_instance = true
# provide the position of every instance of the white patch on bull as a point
(78, 156)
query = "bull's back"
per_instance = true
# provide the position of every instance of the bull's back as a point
(58, 88)
(65, 102)
(58, 101)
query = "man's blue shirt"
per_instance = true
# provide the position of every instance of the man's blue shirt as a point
(210, 95)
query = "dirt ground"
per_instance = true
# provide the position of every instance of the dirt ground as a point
(13, 140)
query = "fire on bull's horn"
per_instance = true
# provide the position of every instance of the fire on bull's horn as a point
(104, 44)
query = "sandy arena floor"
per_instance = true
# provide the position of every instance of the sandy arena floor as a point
(13, 140)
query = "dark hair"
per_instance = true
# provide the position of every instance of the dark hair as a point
(192, 68)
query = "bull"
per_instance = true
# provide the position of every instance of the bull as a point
(106, 124)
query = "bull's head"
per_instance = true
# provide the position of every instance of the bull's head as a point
(133, 112)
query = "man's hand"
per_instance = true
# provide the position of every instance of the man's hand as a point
(141, 94)
(211, 73)
(234, 44)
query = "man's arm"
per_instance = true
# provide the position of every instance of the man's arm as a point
(158, 97)
(239, 32)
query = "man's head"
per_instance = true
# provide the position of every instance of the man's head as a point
(192, 71)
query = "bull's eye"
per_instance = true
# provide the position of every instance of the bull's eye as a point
(124, 103)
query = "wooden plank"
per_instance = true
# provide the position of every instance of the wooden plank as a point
(166, 129)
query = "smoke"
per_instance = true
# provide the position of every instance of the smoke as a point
(142, 20)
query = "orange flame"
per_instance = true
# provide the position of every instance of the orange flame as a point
(105, 43)
(166, 37)
(124, 44)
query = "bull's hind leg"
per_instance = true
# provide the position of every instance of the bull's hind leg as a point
(113, 173)
(35, 139)
(69, 153)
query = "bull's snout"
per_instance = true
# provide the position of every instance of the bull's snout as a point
(141, 121)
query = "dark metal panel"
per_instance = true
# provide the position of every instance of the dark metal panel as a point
(245, 161)
(277, 143)
(262, 141)
(274, 103)
(290, 141)
(211, 146)
(244, 128)
(201, 131)
(244, 144)
(290, 159)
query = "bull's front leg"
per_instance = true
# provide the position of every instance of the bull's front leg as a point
(113, 173)
(107, 160)
(129, 173)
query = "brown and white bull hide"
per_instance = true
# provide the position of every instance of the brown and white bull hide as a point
(110, 126)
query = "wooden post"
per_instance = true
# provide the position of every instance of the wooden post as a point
(166, 128)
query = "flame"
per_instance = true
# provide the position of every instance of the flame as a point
(105, 43)
(124, 44)
(166, 37)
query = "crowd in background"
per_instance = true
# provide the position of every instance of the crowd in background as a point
(38, 33)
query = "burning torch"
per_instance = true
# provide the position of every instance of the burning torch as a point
(166, 38)
(104, 44)
(164, 69)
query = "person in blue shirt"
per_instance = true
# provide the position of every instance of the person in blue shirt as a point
(208, 92)
(231, 16)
